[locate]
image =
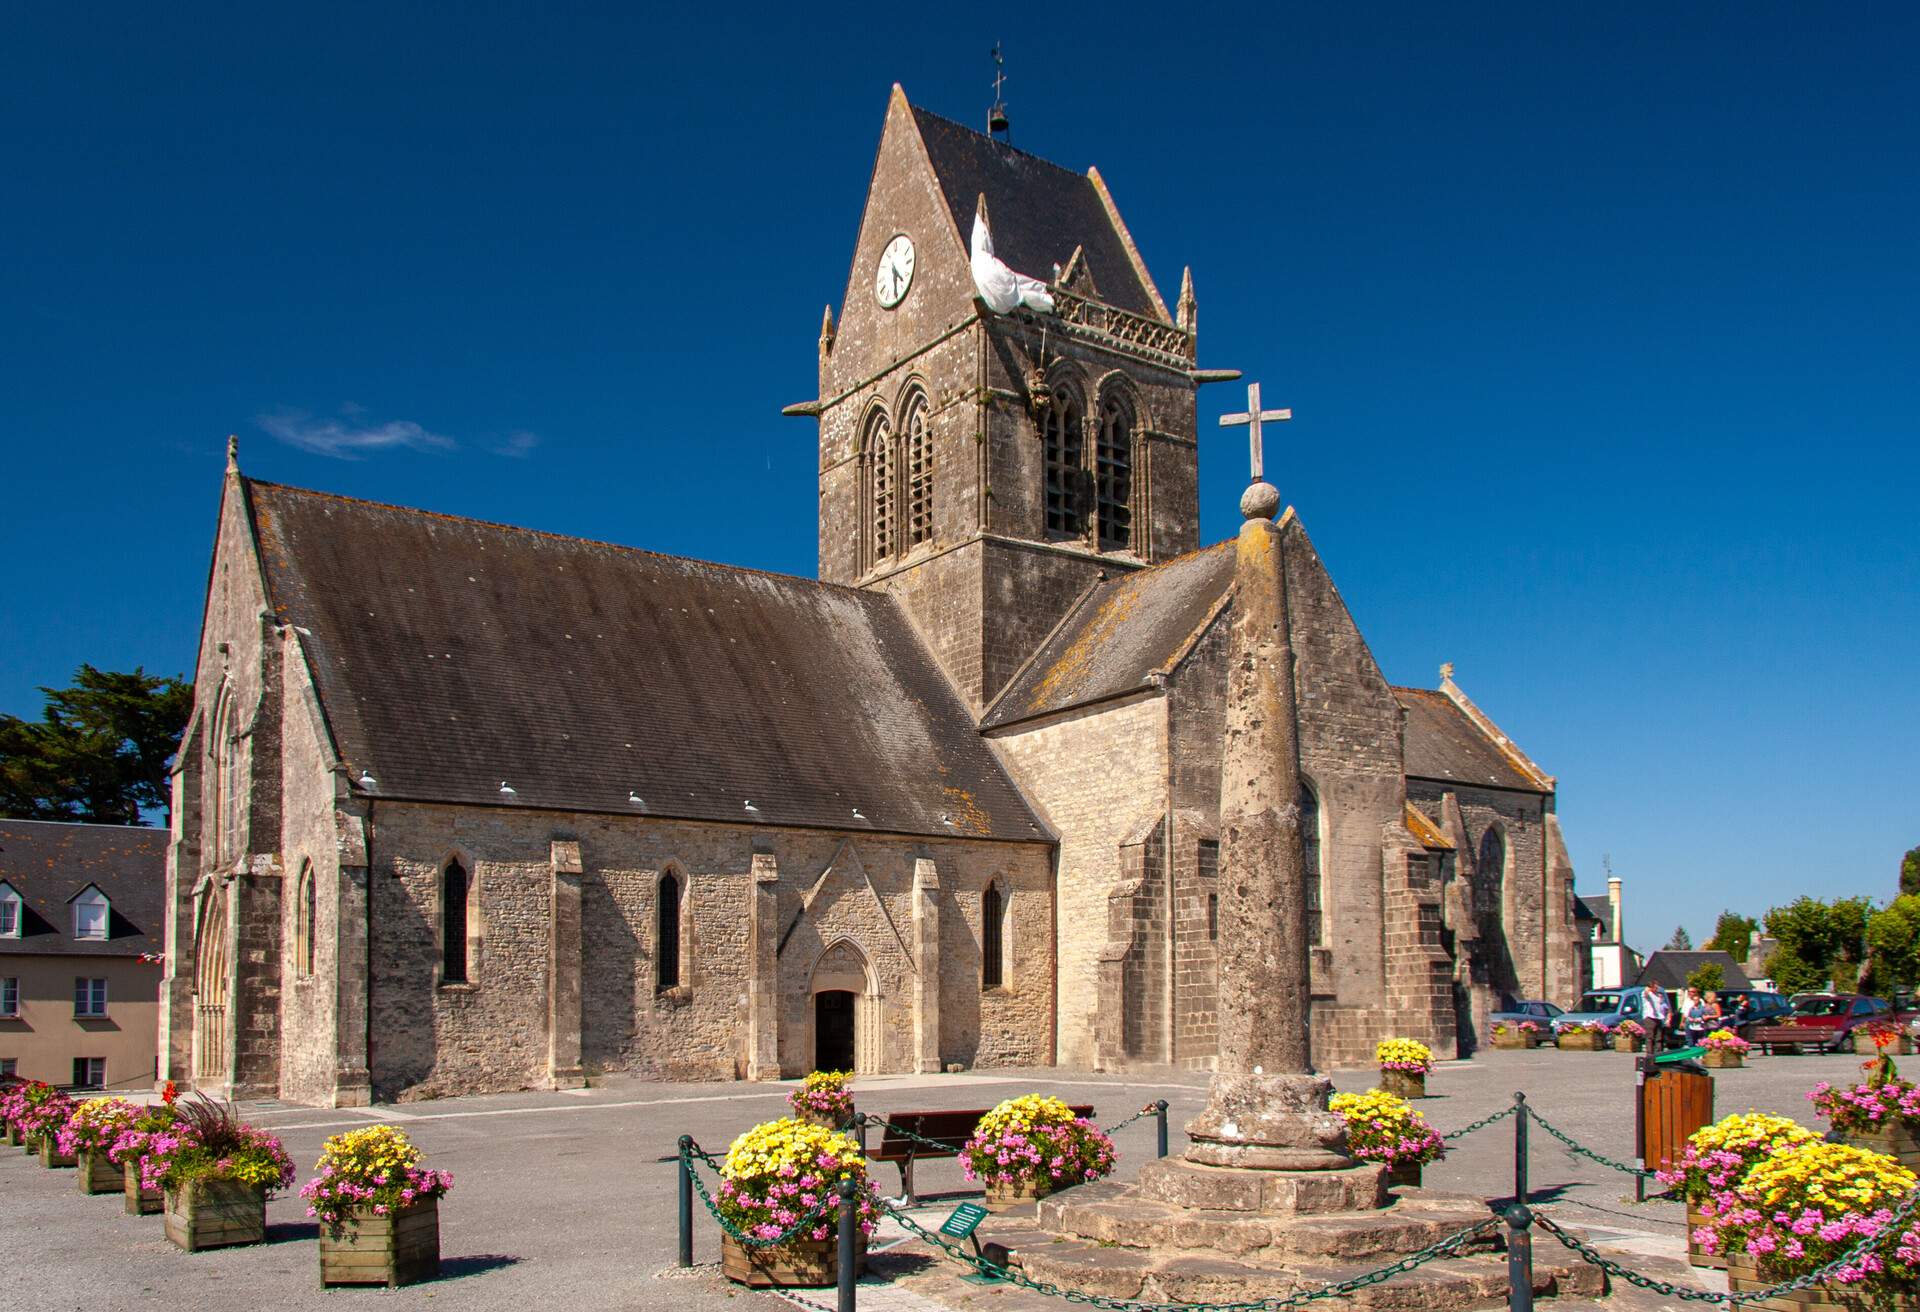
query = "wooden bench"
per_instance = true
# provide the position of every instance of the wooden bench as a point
(950, 1130)
(1790, 1038)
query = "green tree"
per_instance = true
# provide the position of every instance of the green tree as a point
(1793, 973)
(1681, 940)
(99, 751)
(1847, 918)
(1707, 975)
(1732, 934)
(1893, 939)
(1910, 872)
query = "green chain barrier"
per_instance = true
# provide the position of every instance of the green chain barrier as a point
(1433, 1252)
(687, 1156)
(1584, 1151)
(1888, 1234)
(1140, 1115)
(1482, 1124)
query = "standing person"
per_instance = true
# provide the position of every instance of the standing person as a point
(1742, 1014)
(1656, 1013)
(1694, 1013)
(1716, 1014)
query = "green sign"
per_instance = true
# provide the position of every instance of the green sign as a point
(965, 1220)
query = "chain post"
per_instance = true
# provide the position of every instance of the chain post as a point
(860, 1130)
(1521, 1112)
(849, 1229)
(686, 1200)
(1160, 1116)
(1519, 1258)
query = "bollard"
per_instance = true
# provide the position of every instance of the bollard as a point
(686, 1201)
(1160, 1116)
(849, 1228)
(1520, 1147)
(1519, 1259)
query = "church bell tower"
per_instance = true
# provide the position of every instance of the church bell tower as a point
(987, 468)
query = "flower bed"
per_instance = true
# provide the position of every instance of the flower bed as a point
(88, 1137)
(1032, 1146)
(131, 1144)
(215, 1174)
(1383, 1129)
(1581, 1038)
(824, 1098)
(782, 1178)
(1716, 1159)
(1523, 1034)
(1798, 1210)
(1882, 1040)
(1628, 1036)
(379, 1209)
(1882, 1113)
(1725, 1050)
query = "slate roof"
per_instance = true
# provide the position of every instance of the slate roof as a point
(1038, 211)
(1117, 634)
(49, 864)
(1592, 908)
(453, 655)
(1443, 744)
(1670, 969)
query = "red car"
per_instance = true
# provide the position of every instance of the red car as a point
(1835, 1016)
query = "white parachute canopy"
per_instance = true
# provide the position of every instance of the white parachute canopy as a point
(1000, 287)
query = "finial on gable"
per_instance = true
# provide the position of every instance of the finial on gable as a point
(1187, 312)
(826, 330)
(1446, 672)
(997, 125)
(233, 453)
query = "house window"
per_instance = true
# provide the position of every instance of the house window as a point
(90, 915)
(456, 888)
(10, 996)
(919, 457)
(1310, 850)
(1113, 474)
(89, 997)
(10, 912)
(667, 934)
(993, 927)
(303, 922)
(7, 1067)
(89, 1072)
(880, 484)
(1065, 436)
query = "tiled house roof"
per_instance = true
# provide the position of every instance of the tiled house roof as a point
(49, 864)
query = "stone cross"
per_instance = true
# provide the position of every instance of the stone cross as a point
(1252, 419)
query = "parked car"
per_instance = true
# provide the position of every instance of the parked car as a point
(1603, 1007)
(1831, 1018)
(1764, 1008)
(1533, 1009)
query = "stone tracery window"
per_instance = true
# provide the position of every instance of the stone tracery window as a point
(1064, 431)
(1315, 875)
(917, 442)
(881, 484)
(456, 889)
(993, 928)
(304, 908)
(666, 956)
(1113, 473)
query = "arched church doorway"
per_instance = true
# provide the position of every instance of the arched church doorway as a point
(833, 1030)
(210, 1056)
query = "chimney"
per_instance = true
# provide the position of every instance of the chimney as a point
(1613, 906)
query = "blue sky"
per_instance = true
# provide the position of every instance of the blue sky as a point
(1599, 327)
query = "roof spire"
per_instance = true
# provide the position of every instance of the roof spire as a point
(997, 126)
(826, 330)
(1187, 312)
(233, 453)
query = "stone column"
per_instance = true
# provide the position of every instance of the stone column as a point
(352, 1078)
(1265, 1108)
(564, 1069)
(926, 967)
(763, 979)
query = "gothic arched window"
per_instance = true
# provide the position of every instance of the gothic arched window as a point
(666, 954)
(1113, 473)
(1310, 849)
(993, 927)
(917, 442)
(303, 916)
(881, 485)
(456, 890)
(1065, 435)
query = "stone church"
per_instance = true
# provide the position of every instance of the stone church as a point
(468, 807)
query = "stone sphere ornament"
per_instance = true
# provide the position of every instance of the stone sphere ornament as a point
(1260, 501)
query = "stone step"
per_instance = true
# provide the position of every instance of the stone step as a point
(1134, 1222)
(1445, 1285)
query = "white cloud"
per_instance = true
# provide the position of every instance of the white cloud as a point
(351, 440)
(516, 445)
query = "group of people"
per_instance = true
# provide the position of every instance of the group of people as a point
(1691, 1016)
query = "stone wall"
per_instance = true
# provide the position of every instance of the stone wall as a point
(1097, 776)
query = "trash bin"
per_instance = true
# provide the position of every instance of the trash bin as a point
(1676, 1098)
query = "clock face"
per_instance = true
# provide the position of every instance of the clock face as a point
(895, 274)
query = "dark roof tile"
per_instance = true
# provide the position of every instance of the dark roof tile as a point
(50, 864)
(1443, 744)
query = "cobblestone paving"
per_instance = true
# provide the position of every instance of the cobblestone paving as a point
(566, 1199)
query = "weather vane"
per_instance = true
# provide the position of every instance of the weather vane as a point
(997, 125)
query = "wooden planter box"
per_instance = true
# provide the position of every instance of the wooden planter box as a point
(216, 1214)
(13, 1135)
(393, 1250)
(1896, 1141)
(1002, 1196)
(1864, 1046)
(1404, 1084)
(802, 1263)
(98, 1175)
(1629, 1042)
(1715, 1060)
(1517, 1039)
(50, 1155)
(1696, 1255)
(1591, 1041)
(1741, 1275)
(140, 1202)
(825, 1122)
(1404, 1174)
